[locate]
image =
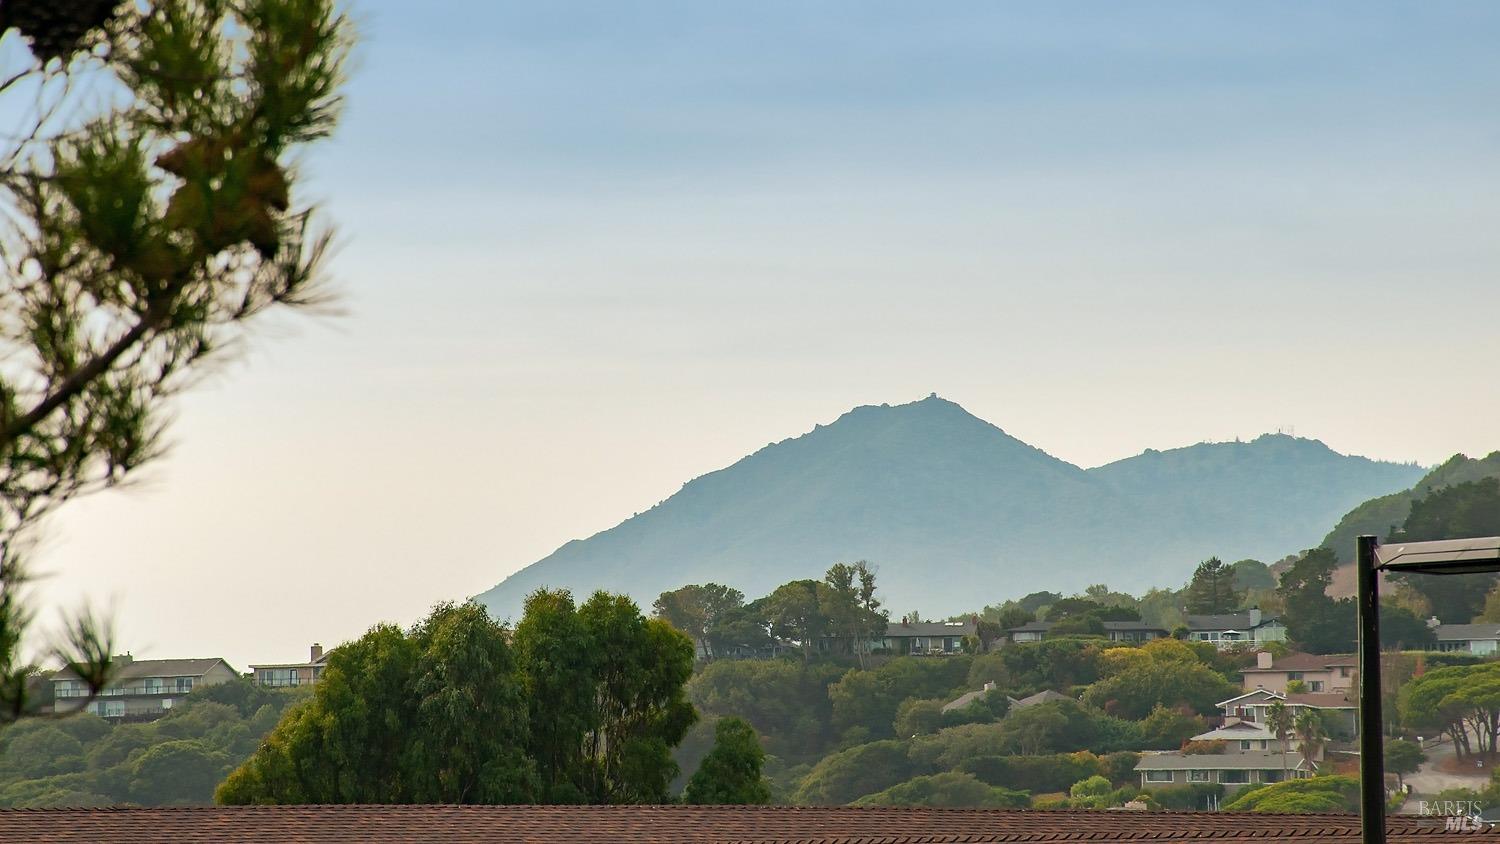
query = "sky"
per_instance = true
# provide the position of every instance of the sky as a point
(589, 251)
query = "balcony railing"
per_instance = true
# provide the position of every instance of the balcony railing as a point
(126, 691)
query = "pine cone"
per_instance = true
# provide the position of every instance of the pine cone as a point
(55, 28)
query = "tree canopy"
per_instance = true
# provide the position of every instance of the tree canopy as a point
(584, 706)
(731, 772)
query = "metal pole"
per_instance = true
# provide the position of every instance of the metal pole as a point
(1371, 726)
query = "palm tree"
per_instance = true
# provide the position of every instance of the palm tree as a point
(1280, 720)
(1312, 735)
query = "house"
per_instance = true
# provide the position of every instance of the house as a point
(967, 698)
(287, 674)
(1031, 631)
(142, 689)
(1117, 631)
(1318, 673)
(1243, 736)
(686, 824)
(1234, 771)
(1236, 629)
(1252, 706)
(1469, 638)
(1047, 696)
(927, 638)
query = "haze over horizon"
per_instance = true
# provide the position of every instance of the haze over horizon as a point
(655, 240)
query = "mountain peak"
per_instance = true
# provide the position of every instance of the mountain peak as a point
(957, 514)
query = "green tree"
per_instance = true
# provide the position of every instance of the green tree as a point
(1312, 735)
(951, 789)
(1252, 576)
(846, 598)
(1136, 691)
(697, 610)
(1327, 794)
(427, 715)
(795, 613)
(470, 713)
(1281, 721)
(182, 771)
(1466, 509)
(1403, 757)
(917, 717)
(641, 710)
(1091, 793)
(1315, 621)
(142, 233)
(1212, 590)
(846, 775)
(557, 664)
(730, 774)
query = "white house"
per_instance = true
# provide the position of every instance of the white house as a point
(1469, 638)
(1236, 629)
(1252, 707)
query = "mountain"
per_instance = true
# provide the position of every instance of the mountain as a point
(1379, 515)
(955, 513)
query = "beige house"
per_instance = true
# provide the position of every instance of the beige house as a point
(288, 674)
(142, 689)
(1253, 706)
(1319, 673)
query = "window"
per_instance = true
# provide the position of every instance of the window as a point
(1294, 675)
(1343, 671)
(1234, 776)
(1245, 745)
(1198, 776)
(1158, 776)
(184, 684)
(1315, 685)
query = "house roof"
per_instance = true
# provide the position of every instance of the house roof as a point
(963, 700)
(1237, 731)
(1250, 760)
(1132, 625)
(897, 630)
(1330, 700)
(1303, 662)
(1228, 621)
(1317, 700)
(1117, 626)
(1464, 632)
(1047, 696)
(140, 668)
(690, 825)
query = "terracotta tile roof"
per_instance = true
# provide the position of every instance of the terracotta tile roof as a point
(687, 825)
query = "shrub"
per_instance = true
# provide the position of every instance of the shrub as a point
(1192, 797)
(1317, 794)
(1033, 773)
(848, 774)
(947, 789)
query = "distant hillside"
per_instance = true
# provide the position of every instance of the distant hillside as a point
(1379, 515)
(957, 513)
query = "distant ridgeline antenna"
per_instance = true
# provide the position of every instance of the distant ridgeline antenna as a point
(1289, 430)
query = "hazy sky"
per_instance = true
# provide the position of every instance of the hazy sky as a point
(592, 250)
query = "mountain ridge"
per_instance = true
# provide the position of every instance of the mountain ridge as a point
(956, 513)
